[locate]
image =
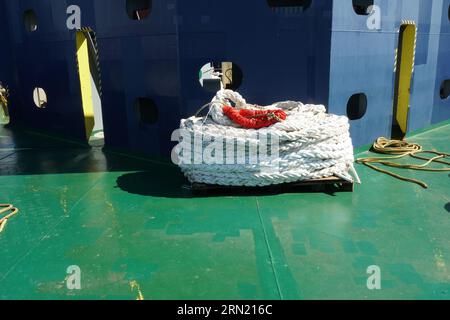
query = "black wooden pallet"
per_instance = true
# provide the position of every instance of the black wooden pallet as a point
(326, 185)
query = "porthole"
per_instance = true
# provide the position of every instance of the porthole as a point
(138, 9)
(214, 74)
(30, 20)
(361, 7)
(147, 111)
(289, 3)
(445, 89)
(40, 98)
(357, 106)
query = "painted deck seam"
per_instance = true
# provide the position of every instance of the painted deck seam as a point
(269, 250)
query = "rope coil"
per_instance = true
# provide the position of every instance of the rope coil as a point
(4, 208)
(310, 143)
(401, 149)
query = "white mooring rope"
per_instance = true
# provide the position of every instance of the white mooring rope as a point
(309, 144)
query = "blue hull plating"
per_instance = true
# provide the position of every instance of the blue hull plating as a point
(323, 53)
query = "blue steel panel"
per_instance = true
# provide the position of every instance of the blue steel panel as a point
(112, 19)
(139, 67)
(444, 19)
(51, 17)
(5, 52)
(322, 54)
(138, 59)
(44, 65)
(164, 65)
(346, 19)
(423, 28)
(362, 60)
(368, 68)
(422, 89)
(45, 58)
(283, 53)
(441, 110)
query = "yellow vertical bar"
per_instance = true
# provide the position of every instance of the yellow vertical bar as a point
(406, 67)
(85, 82)
(4, 113)
(227, 71)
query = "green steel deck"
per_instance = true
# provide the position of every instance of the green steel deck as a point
(124, 219)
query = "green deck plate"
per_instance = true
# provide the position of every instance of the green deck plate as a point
(124, 219)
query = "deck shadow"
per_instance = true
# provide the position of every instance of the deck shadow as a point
(23, 153)
(169, 182)
(162, 182)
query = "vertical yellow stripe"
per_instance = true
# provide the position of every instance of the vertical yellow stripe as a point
(405, 69)
(85, 82)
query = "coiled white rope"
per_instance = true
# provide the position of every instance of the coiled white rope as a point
(309, 144)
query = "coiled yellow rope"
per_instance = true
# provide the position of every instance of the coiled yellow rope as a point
(401, 149)
(4, 208)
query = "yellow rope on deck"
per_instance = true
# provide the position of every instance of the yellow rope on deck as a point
(4, 208)
(401, 149)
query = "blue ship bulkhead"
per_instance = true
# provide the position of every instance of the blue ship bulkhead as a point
(318, 52)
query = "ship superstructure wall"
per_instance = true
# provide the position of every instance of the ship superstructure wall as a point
(150, 54)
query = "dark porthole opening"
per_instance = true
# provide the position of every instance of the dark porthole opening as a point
(40, 98)
(361, 7)
(30, 20)
(139, 9)
(357, 106)
(289, 3)
(213, 75)
(147, 111)
(445, 89)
